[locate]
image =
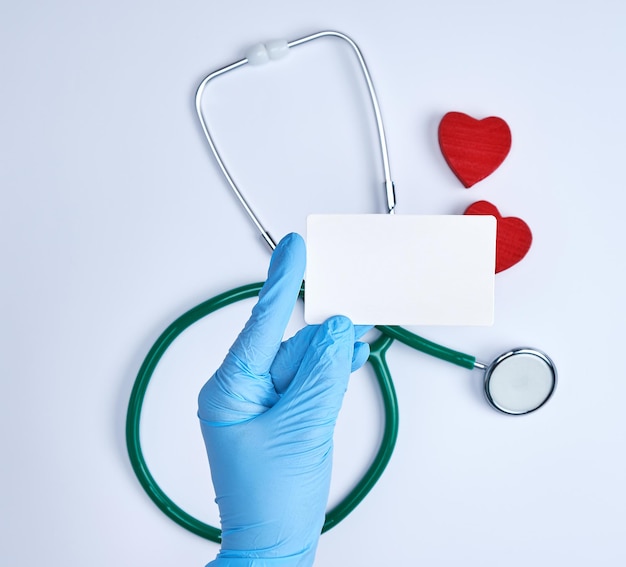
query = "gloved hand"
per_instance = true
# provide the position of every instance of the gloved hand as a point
(268, 416)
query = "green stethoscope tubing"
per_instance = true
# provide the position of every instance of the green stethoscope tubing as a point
(377, 359)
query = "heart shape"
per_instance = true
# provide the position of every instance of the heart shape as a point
(513, 237)
(473, 148)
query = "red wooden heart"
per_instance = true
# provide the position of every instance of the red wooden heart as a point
(473, 148)
(513, 237)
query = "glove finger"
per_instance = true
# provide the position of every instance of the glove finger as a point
(257, 345)
(361, 330)
(289, 357)
(360, 355)
(316, 391)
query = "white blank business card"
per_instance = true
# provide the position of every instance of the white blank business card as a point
(401, 269)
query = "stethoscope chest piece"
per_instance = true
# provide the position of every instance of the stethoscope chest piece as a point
(520, 381)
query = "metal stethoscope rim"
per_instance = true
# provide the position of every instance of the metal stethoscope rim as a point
(507, 356)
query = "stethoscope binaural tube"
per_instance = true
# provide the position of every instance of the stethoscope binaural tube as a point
(277, 49)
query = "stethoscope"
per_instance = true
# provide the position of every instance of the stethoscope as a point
(517, 382)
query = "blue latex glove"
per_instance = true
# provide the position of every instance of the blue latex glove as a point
(268, 416)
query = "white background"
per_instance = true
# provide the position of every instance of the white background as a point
(114, 220)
